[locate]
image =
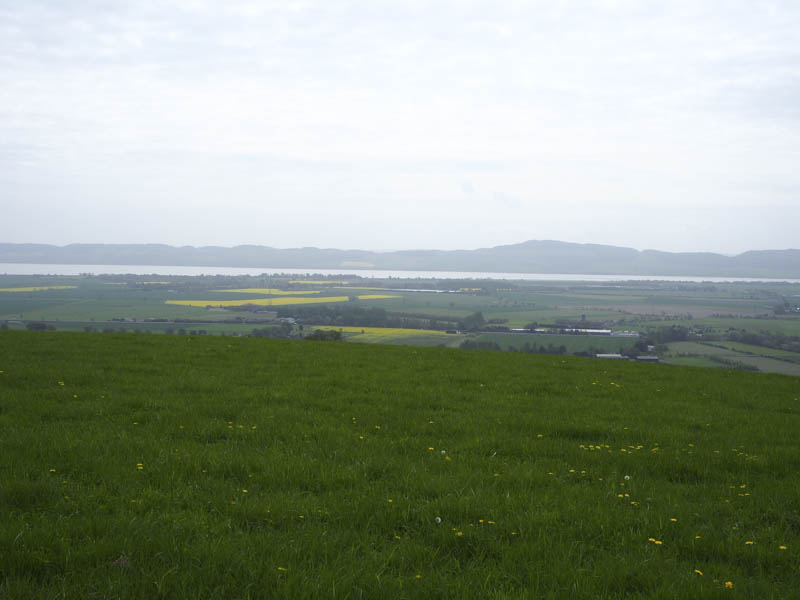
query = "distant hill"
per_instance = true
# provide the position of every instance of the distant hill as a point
(527, 257)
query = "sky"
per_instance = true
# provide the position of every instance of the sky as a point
(396, 125)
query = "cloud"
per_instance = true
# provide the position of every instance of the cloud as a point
(567, 108)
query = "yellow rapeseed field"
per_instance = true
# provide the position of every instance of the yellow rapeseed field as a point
(383, 334)
(302, 281)
(274, 301)
(39, 288)
(268, 291)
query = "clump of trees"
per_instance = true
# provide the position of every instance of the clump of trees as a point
(473, 322)
(325, 336)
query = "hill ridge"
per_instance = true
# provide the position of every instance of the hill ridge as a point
(531, 256)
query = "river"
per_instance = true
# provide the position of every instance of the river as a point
(60, 269)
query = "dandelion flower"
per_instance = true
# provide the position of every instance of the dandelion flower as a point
(749, 542)
(418, 576)
(698, 571)
(389, 500)
(728, 585)
(782, 547)
(674, 520)
(438, 520)
(627, 478)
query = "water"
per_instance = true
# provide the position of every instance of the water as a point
(58, 269)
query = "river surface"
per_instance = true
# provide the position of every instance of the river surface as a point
(58, 269)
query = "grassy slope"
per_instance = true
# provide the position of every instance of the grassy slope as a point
(322, 436)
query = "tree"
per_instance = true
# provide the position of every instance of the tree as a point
(472, 322)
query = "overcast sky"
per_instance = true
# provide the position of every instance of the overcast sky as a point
(387, 125)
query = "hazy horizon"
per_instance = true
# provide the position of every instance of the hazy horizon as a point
(390, 250)
(386, 126)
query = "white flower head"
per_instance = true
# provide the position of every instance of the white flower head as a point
(627, 477)
(438, 520)
(444, 452)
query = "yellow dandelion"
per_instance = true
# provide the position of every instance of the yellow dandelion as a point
(674, 520)
(651, 539)
(459, 533)
(282, 569)
(782, 547)
(429, 448)
(389, 500)
(698, 571)
(418, 576)
(728, 585)
(52, 470)
(749, 542)
(244, 491)
(697, 537)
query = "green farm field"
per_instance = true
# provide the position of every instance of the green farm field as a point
(161, 304)
(717, 350)
(573, 343)
(761, 351)
(143, 466)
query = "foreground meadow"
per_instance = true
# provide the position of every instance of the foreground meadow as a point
(138, 466)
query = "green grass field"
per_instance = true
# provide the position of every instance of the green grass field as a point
(140, 466)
